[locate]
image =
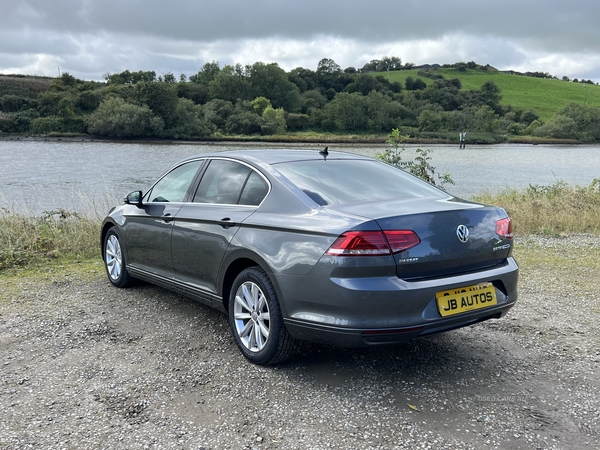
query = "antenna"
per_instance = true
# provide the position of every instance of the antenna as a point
(324, 153)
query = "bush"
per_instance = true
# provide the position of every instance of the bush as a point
(273, 121)
(297, 122)
(420, 166)
(116, 118)
(558, 127)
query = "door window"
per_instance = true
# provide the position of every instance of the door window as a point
(222, 182)
(174, 185)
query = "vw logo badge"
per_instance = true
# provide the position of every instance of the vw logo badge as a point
(462, 232)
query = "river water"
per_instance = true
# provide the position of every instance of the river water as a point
(88, 177)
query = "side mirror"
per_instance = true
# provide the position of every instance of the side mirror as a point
(134, 198)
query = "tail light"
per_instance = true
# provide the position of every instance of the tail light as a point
(504, 228)
(373, 243)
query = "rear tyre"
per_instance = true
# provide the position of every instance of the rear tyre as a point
(114, 261)
(256, 321)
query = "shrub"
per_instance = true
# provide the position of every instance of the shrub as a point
(118, 119)
(273, 121)
(558, 127)
(420, 166)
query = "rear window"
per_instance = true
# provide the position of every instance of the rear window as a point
(334, 182)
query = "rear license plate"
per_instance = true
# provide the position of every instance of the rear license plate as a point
(469, 298)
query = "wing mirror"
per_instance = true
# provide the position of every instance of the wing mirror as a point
(134, 198)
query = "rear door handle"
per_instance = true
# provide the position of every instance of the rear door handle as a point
(226, 222)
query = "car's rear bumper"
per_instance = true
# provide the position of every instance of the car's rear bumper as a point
(360, 337)
(364, 312)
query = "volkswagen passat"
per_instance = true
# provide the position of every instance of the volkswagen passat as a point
(320, 246)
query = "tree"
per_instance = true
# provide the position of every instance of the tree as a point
(217, 111)
(206, 74)
(348, 112)
(196, 92)
(243, 120)
(418, 85)
(486, 120)
(116, 118)
(230, 84)
(430, 120)
(313, 99)
(390, 63)
(168, 78)
(527, 117)
(328, 75)
(66, 107)
(259, 104)
(271, 81)
(189, 121)
(273, 121)
(305, 79)
(560, 126)
(491, 94)
(383, 113)
(88, 101)
(161, 98)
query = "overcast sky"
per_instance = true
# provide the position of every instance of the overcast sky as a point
(89, 38)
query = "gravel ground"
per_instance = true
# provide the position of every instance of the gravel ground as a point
(86, 365)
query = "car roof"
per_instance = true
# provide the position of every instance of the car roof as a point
(278, 155)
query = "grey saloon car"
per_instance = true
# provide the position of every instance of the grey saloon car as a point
(327, 247)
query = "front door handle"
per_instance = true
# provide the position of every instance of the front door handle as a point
(167, 218)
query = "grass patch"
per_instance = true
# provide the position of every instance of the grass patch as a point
(55, 236)
(553, 210)
(64, 239)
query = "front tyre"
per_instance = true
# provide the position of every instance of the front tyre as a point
(114, 260)
(256, 321)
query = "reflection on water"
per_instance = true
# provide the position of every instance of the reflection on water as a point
(89, 177)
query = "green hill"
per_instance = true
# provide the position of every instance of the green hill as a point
(543, 96)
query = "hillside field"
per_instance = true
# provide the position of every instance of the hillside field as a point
(540, 95)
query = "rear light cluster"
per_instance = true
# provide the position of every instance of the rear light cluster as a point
(504, 228)
(373, 243)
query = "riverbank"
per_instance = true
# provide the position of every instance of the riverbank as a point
(377, 140)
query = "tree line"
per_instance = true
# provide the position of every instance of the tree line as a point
(264, 99)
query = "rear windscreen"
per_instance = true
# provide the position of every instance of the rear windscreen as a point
(332, 182)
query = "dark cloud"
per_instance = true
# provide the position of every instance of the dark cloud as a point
(93, 36)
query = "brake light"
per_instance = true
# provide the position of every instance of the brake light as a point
(402, 240)
(373, 243)
(504, 228)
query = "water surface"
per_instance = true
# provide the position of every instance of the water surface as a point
(89, 177)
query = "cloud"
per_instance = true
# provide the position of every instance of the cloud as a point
(91, 37)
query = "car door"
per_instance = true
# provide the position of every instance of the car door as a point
(148, 228)
(228, 193)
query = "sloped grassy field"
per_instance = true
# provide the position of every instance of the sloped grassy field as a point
(543, 96)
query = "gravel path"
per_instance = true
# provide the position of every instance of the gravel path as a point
(86, 365)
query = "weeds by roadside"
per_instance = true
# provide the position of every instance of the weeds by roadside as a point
(552, 210)
(55, 235)
(66, 236)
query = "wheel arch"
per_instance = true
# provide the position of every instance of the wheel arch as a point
(235, 264)
(105, 227)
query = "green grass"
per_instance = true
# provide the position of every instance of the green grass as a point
(543, 96)
(56, 236)
(60, 238)
(551, 210)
